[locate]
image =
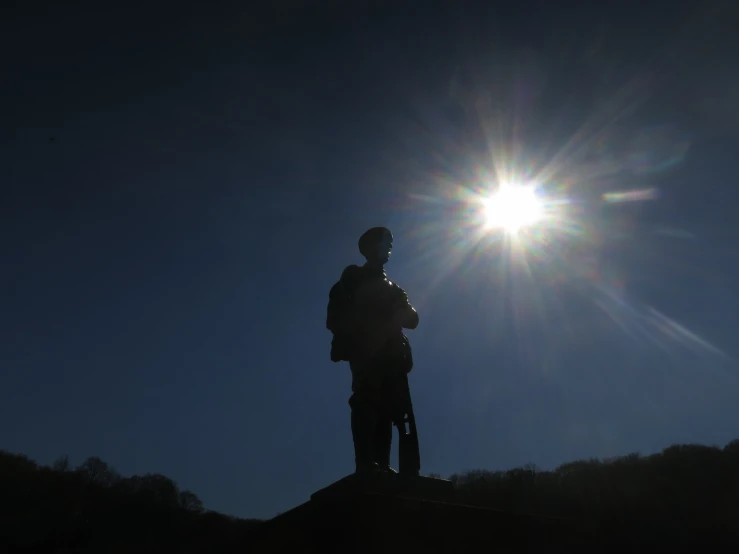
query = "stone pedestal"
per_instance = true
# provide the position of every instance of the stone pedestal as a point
(389, 514)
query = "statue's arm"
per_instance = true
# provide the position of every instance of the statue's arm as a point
(405, 315)
(408, 317)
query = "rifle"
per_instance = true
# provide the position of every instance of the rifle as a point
(409, 456)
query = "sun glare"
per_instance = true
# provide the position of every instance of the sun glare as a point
(512, 207)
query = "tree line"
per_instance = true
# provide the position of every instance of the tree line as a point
(91, 507)
(685, 494)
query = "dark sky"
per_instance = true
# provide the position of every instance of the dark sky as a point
(181, 185)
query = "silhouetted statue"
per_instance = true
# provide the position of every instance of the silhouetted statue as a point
(367, 314)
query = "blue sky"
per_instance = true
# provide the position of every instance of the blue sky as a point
(167, 256)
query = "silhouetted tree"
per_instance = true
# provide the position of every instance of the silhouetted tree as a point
(62, 464)
(15, 464)
(95, 470)
(732, 447)
(190, 502)
(93, 509)
(159, 489)
(684, 493)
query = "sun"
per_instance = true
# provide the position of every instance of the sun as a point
(512, 207)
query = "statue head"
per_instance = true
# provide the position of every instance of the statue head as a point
(376, 245)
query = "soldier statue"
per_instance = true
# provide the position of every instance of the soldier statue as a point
(367, 314)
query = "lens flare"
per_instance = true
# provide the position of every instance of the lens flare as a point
(512, 207)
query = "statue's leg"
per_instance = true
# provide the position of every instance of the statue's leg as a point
(363, 420)
(383, 436)
(383, 439)
(363, 427)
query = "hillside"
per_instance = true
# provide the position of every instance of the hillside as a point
(684, 493)
(93, 509)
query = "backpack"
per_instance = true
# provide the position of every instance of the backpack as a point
(338, 313)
